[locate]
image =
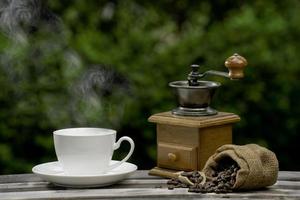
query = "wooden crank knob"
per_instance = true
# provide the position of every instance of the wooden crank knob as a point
(172, 157)
(236, 65)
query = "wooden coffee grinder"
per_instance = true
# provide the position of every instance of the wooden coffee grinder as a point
(189, 134)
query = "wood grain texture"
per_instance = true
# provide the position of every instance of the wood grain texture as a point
(204, 141)
(139, 186)
(210, 139)
(195, 122)
(177, 134)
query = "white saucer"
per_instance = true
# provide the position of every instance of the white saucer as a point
(53, 172)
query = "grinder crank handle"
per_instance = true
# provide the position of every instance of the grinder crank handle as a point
(236, 65)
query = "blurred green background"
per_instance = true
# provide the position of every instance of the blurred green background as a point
(108, 64)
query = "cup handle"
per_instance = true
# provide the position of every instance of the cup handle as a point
(117, 145)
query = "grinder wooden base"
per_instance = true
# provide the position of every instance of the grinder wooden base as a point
(185, 143)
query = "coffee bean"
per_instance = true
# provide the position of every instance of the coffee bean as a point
(198, 181)
(182, 185)
(196, 174)
(223, 176)
(209, 184)
(200, 178)
(196, 190)
(224, 191)
(214, 174)
(220, 185)
(232, 182)
(217, 191)
(233, 174)
(208, 190)
(215, 180)
(173, 182)
(227, 185)
(171, 187)
(193, 179)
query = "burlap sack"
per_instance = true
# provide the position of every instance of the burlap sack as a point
(258, 165)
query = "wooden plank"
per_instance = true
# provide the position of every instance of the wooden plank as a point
(139, 185)
(18, 178)
(287, 185)
(289, 176)
(129, 183)
(144, 193)
(37, 186)
(140, 174)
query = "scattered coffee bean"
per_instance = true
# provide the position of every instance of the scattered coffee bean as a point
(171, 187)
(214, 174)
(193, 179)
(196, 174)
(182, 185)
(173, 182)
(200, 178)
(222, 181)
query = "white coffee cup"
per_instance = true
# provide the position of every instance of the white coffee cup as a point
(88, 151)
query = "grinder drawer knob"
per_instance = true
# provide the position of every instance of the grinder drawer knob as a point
(172, 157)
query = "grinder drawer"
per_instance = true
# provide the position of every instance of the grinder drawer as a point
(176, 156)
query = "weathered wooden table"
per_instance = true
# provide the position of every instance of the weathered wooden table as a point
(139, 185)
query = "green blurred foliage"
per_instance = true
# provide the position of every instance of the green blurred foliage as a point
(150, 43)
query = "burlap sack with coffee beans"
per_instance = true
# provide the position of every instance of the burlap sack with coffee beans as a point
(258, 165)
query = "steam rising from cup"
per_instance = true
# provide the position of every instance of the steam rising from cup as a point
(102, 90)
(38, 50)
(19, 18)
